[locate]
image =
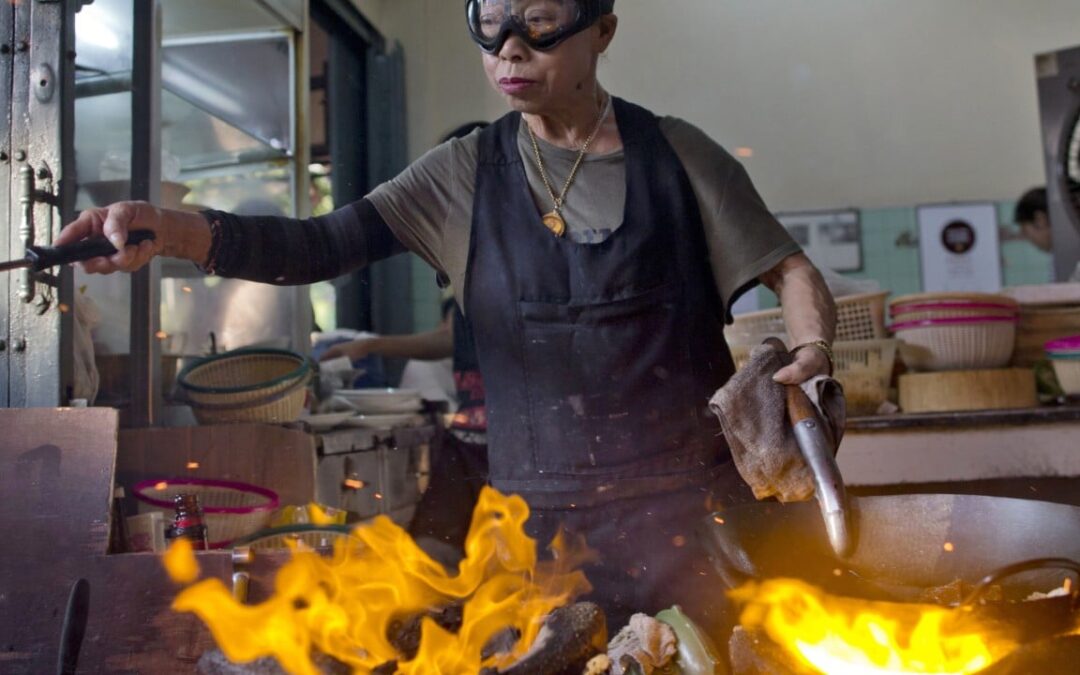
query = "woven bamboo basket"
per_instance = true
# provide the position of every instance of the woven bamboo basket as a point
(247, 385)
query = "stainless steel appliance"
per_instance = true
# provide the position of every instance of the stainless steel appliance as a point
(1059, 104)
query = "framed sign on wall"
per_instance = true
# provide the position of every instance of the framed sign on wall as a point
(959, 249)
(831, 239)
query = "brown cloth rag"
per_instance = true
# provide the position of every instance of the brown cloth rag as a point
(753, 413)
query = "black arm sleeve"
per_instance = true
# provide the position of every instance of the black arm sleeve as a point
(292, 252)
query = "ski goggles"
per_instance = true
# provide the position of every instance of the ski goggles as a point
(541, 24)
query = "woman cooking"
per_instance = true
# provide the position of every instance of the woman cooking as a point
(595, 249)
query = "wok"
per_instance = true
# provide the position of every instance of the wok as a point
(904, 544)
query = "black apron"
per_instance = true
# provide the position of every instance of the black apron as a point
(599, 360)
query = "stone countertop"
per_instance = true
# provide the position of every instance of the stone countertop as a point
(962, 446)
(1050, 414)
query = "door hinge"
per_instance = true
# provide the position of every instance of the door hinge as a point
(35, 189)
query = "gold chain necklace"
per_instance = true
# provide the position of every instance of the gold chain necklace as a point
(554, 220)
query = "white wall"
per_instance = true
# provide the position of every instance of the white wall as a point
(844, 102)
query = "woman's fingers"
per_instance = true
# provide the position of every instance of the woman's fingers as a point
(332, 353)
(117, 223)
(86, 225)
(809, 362)
(114, 222)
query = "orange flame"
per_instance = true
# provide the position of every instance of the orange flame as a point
(343, 605)
(845, 636)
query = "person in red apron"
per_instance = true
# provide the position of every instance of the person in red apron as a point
(596, 250)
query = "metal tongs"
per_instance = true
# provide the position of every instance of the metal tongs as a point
(820, 456)
(39, 258)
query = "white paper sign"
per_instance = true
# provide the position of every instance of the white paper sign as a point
(959, 249)
(831, 239)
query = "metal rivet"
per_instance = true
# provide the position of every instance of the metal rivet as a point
(20, 156)
(20, 345)
(23, 46)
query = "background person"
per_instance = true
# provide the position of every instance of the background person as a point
(1032, 215)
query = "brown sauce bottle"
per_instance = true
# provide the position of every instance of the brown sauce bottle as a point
(188, 522)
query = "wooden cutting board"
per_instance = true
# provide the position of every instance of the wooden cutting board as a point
(956, 390)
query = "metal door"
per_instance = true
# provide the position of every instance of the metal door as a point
(36, 100)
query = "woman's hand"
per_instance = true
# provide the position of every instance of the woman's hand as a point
(178, 234)
(809, 363)
(114, 222)
(355, 350)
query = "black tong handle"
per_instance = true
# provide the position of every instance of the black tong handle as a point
(44, 257)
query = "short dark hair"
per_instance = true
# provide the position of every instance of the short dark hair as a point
(463, 131)
(1032, 201)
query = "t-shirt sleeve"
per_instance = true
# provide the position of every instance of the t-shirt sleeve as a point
(416, 202)
(744, 238)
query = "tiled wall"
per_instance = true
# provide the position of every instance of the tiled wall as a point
(891, 254)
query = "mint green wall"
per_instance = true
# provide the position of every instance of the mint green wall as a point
(425, 296)
(896, 268)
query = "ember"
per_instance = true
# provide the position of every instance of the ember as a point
(841, 636)
(349, 606)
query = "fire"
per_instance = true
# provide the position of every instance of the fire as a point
(845, 636)
(345, 605)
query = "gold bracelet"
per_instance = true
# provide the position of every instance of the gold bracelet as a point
(821, 346)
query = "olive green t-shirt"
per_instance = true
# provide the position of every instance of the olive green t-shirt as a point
(429, 205)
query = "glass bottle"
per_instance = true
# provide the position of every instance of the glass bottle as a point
(118, 535)
(188, 522)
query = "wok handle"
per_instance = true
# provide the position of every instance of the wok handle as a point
(799, 406)
(1025, 566)
(820, 457)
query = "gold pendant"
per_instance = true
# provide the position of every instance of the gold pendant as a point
(554, 222)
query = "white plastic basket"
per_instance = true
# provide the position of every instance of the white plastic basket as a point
(957, 343)
(858, 317)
